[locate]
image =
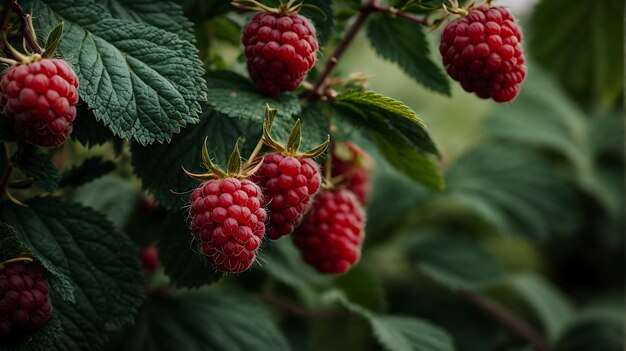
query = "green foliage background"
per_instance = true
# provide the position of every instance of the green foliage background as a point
(520, 204)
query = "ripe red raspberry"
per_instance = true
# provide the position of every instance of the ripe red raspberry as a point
(290, 184)
(331, 235)
(280, 50)
(354, 165)
(483, 51)
(228, 220)
(24, 301)
(41, 97)
(149, 258)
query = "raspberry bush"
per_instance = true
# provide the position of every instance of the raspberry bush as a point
(339, 220)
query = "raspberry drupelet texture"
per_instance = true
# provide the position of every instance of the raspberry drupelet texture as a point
(289, 184)
(353, 164)
(228, 220)
(483, 51)
(280, 50)
(40, 97)
(331, 235)
(24, 300)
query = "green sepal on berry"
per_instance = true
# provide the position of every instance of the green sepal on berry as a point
(235, 167)
(293, 142)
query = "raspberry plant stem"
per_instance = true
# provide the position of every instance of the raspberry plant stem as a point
(321, 84)
(27, 30)
(505, 317)
(366, 10)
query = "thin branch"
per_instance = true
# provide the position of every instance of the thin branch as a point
(510, 320)
(403, 15)
(26, 28)
(320, 87)
(321, 84)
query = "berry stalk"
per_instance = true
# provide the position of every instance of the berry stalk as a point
(27, 26)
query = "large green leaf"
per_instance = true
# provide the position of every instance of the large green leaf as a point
(211, 320)
(513, 190)
(389, 117)
(164, 14)
(599, 327)
(235, 96)
(363, 287)
(583, 43)
(90, 169)
(453, 260)
(411, 162)
(400, 135)
(179, 255)
(102, 266)
(405, 43)
(141, 81)
(159, 166)
(549, 304)
(399, 333)
(410, 334)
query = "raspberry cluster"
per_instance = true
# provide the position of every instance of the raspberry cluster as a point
(289, 184)
(352, 163)
(228, 220)
(280, 50)
(40, 97)
(24, 300)
(331, 234)
(483, 51)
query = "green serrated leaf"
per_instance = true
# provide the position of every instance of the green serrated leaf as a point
(164, 14)
(453, 260)
(397, 333)
(141, 81)
(388, 117)
(596, 55)
(235, 96)
(54, 37)
(159, 166)
(514, 190)
(201, 320)
(82, 245)
(397, 131)
(91, 169)
(34, 163)
(180, 257)
(405, 43)
(412, 163)
(10, 243)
